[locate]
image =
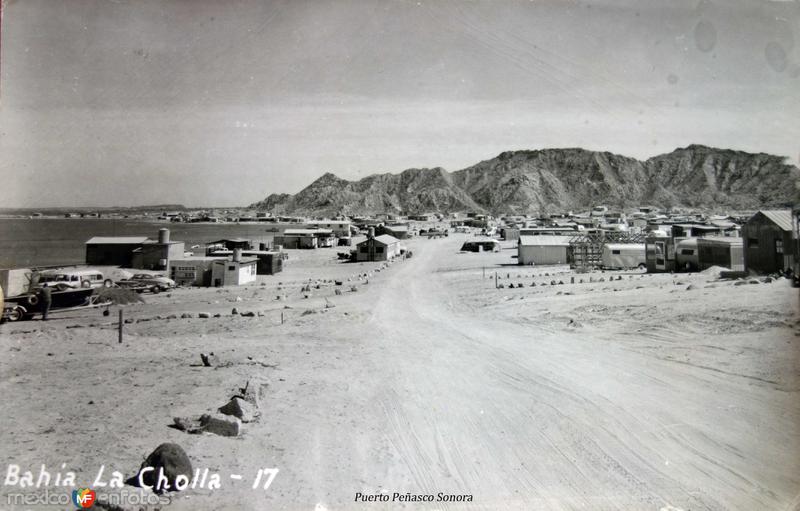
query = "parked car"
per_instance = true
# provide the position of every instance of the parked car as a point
(73, 279)
(144, 281)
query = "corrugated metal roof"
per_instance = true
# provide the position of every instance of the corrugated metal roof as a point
(386, 239)
(727, 240)
(117, 240)
(544, 240)
(780, 217)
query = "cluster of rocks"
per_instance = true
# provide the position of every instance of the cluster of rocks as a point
(228, 419)
(561, 282)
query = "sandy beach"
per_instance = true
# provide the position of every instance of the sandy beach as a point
(653, 392)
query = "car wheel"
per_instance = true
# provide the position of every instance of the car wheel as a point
(14, 314)
(108, 283)
(642, 266)
(156, 289)
(33, 300)
(86, 284)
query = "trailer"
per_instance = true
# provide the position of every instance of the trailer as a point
(620, 256)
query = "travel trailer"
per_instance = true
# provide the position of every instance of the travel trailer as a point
(618, 256)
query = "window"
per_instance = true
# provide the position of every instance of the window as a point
(687, 251)
(779, 246)
(379, 250)
(231, 267)
(615, 252)
(752, 242)
(363, 249)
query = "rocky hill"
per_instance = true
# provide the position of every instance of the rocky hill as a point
(557, 180)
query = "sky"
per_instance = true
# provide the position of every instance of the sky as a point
(212, 103)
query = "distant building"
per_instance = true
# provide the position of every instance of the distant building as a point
(481, 246)
(767, 238)
(398, 231)
(340, 228)
(214, 271)
(113, 250)
(305, 238)
(134, 251)
(233, 243)
(543, 249)
(379, 248)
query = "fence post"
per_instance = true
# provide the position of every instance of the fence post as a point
(120, 326)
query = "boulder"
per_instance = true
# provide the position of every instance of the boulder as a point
(222, 425)
(241, 409)
(252, 393)
(170, 460)
(204, 315)
(187, 315)
(248, 314)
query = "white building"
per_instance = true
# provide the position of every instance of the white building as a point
(543, 249)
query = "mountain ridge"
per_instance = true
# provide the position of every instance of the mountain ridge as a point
(557, 180)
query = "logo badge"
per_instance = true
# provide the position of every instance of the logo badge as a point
(83, 498)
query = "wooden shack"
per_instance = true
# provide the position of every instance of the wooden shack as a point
(767, 238)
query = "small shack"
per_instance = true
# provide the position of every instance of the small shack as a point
(767, 241)
(235, 272)
(543, 249)
(269, 263)
(378, 248)
(727, 252)
(481, 246)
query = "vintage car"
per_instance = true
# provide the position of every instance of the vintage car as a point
(147, 282)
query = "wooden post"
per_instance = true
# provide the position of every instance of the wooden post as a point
(281, 317)
(484, 272)
(495, 280)
(120, 326)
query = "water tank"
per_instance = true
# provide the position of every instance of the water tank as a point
(163, 235)
(371, 233)
(237, 254)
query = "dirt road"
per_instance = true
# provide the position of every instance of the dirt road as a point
(523, 417)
